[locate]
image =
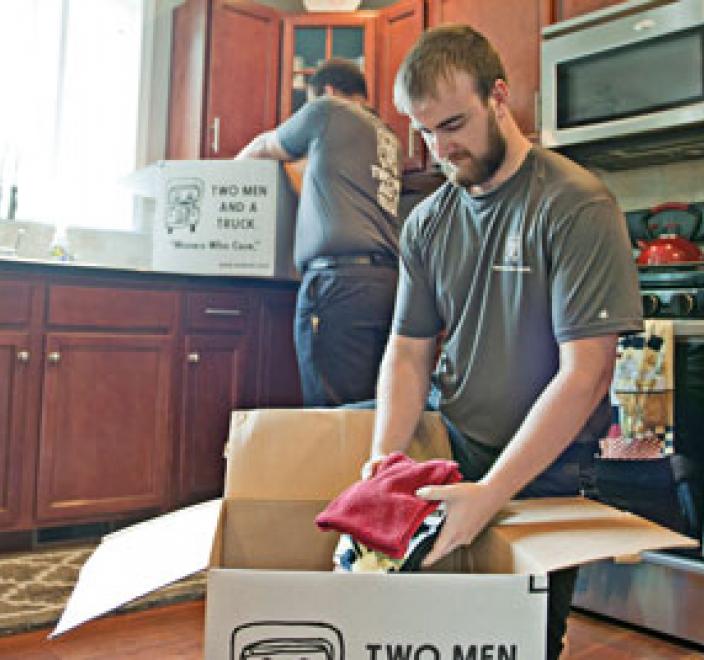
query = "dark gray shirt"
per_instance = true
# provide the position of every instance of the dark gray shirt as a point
(509, 275)
(352, 184)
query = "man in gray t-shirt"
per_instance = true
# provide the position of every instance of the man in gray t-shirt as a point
(522, 265)
(346, 240)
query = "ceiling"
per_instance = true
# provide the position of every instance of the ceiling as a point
(297, 5)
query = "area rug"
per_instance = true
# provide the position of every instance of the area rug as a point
(35, 586)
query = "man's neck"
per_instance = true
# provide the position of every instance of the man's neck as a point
(517, 148)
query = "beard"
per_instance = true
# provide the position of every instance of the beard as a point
(464, 168)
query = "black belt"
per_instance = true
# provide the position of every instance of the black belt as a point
(321, 263)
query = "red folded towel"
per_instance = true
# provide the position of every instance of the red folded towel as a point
(383, 512)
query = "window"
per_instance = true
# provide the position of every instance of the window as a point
(70, 72)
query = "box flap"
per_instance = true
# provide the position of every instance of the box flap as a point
(310, 454)
(139, 559)
(541, 535)
(270, 534)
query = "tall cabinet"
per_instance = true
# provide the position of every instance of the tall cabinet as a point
(513, 26)
(224, 77)
(399, 27)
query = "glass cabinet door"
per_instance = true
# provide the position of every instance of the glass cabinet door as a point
(309, 40)
(348, 42)
(309, 50)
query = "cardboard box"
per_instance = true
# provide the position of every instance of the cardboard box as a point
(220, 217)
(271, 592)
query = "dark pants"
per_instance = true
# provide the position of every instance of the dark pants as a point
(572, 473)
(342, 323)
(569, 475)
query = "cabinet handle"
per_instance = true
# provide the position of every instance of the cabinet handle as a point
(216, 311)
(411, 141)
(54, 357)
(193, 358)
(23, 356)
(216, 135)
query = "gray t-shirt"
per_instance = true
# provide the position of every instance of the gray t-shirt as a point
(542, 259)
(352, 183)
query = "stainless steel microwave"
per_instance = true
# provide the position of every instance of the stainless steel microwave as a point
(634, 69)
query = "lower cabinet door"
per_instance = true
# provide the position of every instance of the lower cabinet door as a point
(14, 413)
(104, 445)
(215, 382)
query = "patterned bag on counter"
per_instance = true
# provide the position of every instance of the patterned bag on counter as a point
(643, 393)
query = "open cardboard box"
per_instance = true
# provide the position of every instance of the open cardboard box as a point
(271, 592)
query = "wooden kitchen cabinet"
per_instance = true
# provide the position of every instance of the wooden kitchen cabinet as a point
(18, 356)
(116, 389)
(513, 27)
(14, 356)
(105, 439)
(217, 379)
(104, 445)
(224, 77)
(564, 9)
(310, 39)
(400, 25)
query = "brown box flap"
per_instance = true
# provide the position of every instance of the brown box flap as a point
(310, 454)
(546, 534)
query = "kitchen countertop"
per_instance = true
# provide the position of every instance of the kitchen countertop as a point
(78, 267)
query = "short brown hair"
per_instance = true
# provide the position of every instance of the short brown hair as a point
(437, 54)
(342, 75)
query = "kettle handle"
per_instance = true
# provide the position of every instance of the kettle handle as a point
(674, 206)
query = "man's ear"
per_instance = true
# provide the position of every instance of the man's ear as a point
(500, 94)
(330, 90)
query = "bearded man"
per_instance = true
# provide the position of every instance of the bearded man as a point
(522, 263)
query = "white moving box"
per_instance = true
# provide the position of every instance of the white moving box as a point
(220, 217)
(271, 593)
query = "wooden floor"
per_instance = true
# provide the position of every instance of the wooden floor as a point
(176, 632)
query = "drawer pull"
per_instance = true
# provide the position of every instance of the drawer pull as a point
(23, 356)
(193, 358)
(216, 311)
(54, 357)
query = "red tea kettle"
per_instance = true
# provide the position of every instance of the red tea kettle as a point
(669, 247)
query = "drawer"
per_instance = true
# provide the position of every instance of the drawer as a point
(15, 302)
(225, 311)
(107, 307)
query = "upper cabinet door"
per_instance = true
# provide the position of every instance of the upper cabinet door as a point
(513, 27)
(243, 75)
(399, 27)
(310, 39)
(188, 39)
(224, 77)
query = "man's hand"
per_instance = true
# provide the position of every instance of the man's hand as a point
(369, 469)
(470, 507)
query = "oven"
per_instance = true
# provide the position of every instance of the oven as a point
(663, 592)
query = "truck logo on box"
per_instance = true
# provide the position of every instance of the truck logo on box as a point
(286, 640)
(183, 201)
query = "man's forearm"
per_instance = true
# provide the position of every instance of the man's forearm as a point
(553, 422)
(401, 394)
(265, 145)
